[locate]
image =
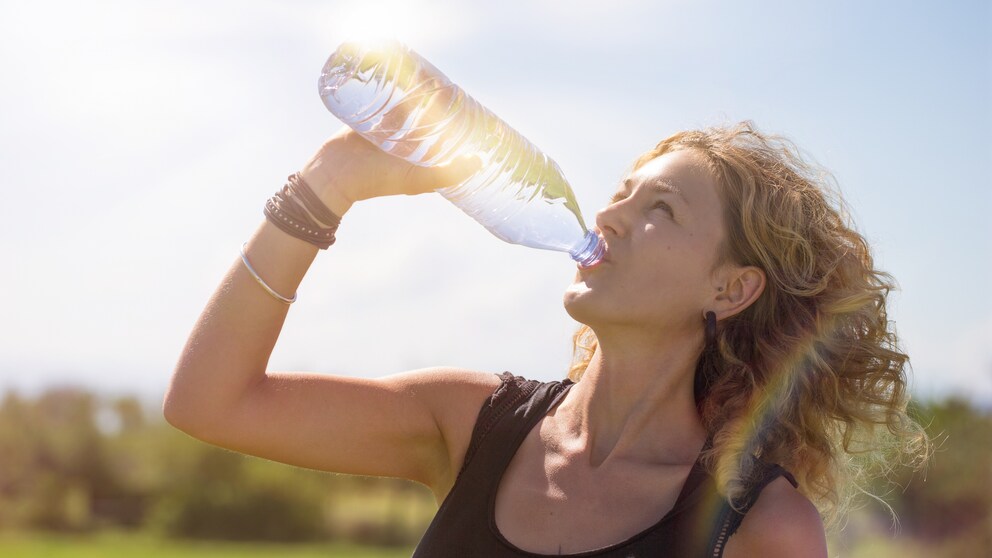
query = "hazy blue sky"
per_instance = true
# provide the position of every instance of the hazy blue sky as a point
(140, 140)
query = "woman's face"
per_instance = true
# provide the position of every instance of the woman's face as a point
(663, 231)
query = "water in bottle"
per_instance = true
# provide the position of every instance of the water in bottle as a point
(398, 101)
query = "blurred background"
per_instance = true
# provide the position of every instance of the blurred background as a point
(139, 141)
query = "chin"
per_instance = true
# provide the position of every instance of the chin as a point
(580, 302)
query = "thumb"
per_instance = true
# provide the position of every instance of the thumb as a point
(449, 174)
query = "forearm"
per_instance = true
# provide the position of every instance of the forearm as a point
(230, 345)
(228, 351)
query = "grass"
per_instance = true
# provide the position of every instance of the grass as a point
(124, 545)
(112, 544)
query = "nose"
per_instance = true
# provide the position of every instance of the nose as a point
(610, 220)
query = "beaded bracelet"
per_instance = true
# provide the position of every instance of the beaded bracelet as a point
(294, 208)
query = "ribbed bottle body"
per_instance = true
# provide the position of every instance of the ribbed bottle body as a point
(400, 102)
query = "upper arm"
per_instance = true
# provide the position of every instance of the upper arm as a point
(408, 425)
(782, 523)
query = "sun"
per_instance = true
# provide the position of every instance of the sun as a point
(413, 22)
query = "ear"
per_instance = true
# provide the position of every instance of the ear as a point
(743, 286)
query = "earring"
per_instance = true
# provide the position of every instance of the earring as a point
(710, 328)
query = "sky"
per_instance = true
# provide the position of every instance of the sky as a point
(140, 140)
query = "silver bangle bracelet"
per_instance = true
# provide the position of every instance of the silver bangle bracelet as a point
(251, 270)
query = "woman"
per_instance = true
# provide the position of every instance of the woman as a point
(734, 374)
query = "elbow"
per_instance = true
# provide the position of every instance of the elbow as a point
(201, 399)
(185, 420)
(195, 410)
(178, 411)
(171, 411)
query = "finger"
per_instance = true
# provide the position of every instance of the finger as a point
(427, 179)
(457, 171)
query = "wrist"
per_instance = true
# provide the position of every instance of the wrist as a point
(335, 200)
(299, 212)
(327, 189)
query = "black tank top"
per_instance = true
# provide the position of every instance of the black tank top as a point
(697, 526)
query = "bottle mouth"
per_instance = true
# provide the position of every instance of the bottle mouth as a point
(592, 250)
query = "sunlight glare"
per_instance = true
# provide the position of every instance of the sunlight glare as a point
(412, 22)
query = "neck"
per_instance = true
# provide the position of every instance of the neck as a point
(635, 403)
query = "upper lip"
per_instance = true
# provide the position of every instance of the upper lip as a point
(606, 249)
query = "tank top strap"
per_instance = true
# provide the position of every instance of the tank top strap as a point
(462, 525)
(767, 472)
(510, 409)
(729, 519)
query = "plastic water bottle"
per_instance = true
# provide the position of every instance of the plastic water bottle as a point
(398, 101)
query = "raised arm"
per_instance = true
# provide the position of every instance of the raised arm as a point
(412, 425)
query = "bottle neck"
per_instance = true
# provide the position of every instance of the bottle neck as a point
(590, 250)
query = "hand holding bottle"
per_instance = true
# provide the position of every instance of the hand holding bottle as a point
(348, 168)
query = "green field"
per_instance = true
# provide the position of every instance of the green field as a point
(116, 545)
(126, 545)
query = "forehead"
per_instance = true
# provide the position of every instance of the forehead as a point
(685, 170)
(683, 162)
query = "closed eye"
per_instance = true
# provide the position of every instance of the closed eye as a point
(667, 207)
(620, 196)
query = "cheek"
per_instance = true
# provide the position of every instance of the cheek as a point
(675, 268)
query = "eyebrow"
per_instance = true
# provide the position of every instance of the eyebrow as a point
(659, 184)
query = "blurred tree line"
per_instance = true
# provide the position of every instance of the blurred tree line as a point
(72, 461)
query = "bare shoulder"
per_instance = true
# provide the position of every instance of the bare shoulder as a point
(781, 523)
(455, 397)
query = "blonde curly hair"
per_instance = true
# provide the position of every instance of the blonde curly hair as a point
(810, 376)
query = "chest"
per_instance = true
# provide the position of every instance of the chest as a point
(548, 504)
